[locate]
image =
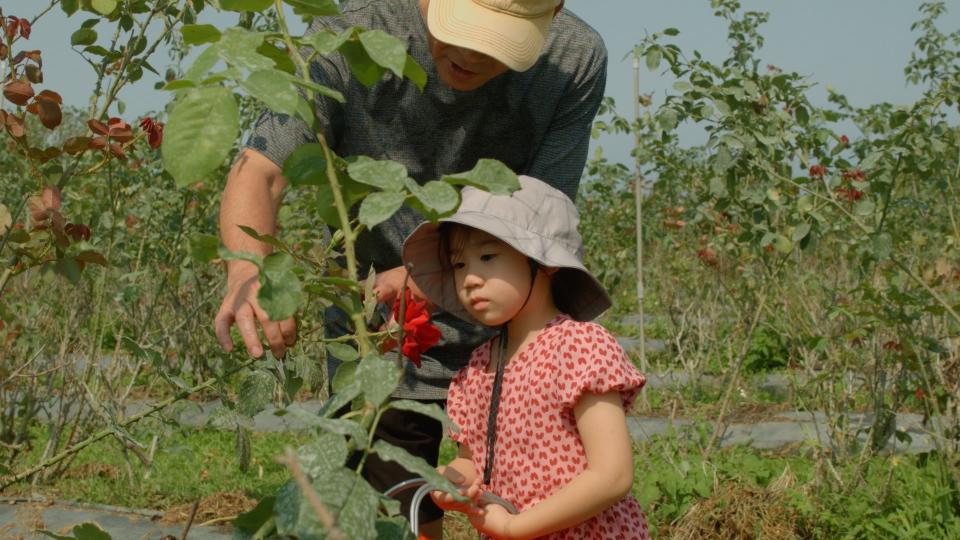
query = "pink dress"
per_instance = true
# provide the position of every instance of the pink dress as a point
(538, 448)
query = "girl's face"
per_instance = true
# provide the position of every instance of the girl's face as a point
(492, 278)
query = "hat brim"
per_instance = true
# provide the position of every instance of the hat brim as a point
(587, 298)
(514, 41)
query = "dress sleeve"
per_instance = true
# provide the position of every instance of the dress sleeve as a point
(591, 361)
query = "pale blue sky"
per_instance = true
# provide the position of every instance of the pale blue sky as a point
(858, 46)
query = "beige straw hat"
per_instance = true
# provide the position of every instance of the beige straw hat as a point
(512, 31)
(538, 221)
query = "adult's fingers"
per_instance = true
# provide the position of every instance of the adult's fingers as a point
(246, 323)
(272, 333)
(288, 328)
(221, 325)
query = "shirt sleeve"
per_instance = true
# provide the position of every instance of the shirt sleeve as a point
(277, 135)
(593, 362)
(563, 152)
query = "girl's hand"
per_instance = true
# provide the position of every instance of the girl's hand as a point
(446, 501)
(492, 520)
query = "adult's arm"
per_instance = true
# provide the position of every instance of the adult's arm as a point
(252, 198)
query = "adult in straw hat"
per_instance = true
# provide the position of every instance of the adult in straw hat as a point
(515, 80)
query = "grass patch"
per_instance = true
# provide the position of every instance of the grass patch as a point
(188, 465)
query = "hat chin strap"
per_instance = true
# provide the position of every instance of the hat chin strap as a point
(498, 378)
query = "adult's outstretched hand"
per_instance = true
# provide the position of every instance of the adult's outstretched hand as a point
(240, 306)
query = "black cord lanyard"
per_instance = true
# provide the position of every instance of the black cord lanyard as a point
(494, 406)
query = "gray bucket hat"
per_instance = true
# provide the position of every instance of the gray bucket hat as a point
(537, 220)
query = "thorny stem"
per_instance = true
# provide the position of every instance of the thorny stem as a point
(349, 235)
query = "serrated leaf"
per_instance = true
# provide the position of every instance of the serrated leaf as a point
(361, 65)
(195, 34)
(256, 392)
(414, 464)
(200, 133)
(343, 352)
(202, 65)
(344, 493)
(280, 290)
(317, 8)
(385, 50)
(413, 71)
(384, 174)
(378, 207)
(238, 47)
(274, 89)
(488, 175)
(378, 377)
(332, 425)
(437, 197)
(431, 410)
(326, 41)
(325, 453)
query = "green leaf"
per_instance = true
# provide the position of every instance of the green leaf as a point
(317, 8)
(326, 41)
(378, 377)
(378, 207)
(386, 175)
(667, 119)
(245, 5)
(344, 493)
(200, 133)
(882, 246)
(333, 425)
(431, 410)
(104, 7)
(281, 60)
(69, 6)
(68, 268)
(437, 197)
(864, 207)
(204, 247)
(413, 71)
(83, 36)
(395, 528)
(783, 244)
(344, 378)
(414, 464)
(256, 392)
(238, 47)
(265, 238)
(343, 352)
(203, 64)
(488, 175)
(273, 88)
(654, 56)
(801, 232)
(195, 34)
(361, 65)
(280, 291)
(385, 50)
(254, 519)
(306, 166)
(242, 447)
(320, 89)
(671, 32)
(325, 453)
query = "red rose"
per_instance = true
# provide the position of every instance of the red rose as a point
(817, 171)
(419, 334)
(844, 140)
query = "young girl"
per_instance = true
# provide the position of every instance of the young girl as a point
(540, 406)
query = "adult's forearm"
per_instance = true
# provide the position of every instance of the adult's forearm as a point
(251, 198)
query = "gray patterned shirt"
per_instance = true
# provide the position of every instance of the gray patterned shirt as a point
(536, 122)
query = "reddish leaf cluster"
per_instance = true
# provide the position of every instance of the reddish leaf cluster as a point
(109, 137)
(154, 131)
(77, 231)
(674, 223)
(419, 334)
(817, 171)
(892, 346)
(850, 193)
(853, 175)
(12, 26)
